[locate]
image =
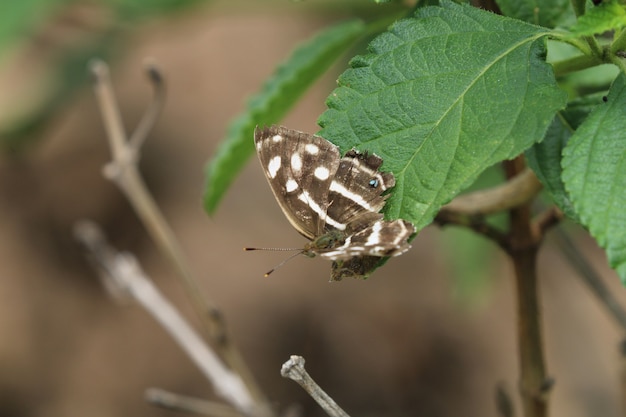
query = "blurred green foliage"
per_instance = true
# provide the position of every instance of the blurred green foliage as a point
(44, 50)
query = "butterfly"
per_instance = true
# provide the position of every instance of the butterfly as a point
(331, 200)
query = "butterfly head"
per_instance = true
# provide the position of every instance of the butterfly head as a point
(328, 241)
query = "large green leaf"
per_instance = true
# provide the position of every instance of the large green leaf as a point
(441, 97)
(594, 174)
(277, 96)
(545, 157)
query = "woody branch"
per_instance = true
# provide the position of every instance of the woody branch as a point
(123, 171)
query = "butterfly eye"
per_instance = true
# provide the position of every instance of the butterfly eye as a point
(373, 183)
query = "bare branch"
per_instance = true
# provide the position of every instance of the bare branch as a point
(475, 222)
(123, 171)
(125, 272)
(518, 190)
(547, 219)
(523, 253)
(504, 404)
(294, 370)
(153, 111)
(165, 399)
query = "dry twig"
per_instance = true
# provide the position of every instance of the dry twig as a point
(177, 402)
(123, 171)
(123, 271)
(294, 370)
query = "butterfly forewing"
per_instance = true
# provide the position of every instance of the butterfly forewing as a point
(299, 168)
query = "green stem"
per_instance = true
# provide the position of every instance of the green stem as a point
(619, 43)
(575, 64)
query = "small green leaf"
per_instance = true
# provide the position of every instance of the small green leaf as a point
(547, 13)
(278, 95)
(609, 15)
(440, 98)
(544, 158)
(594, 174)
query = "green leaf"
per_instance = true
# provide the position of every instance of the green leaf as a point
(18, 17)
(441, 97)
(609, 15)
(548, 13)
(278, 95)
(594, 173)
(544, 158)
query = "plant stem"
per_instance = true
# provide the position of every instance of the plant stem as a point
(523, 250)
(532, 365)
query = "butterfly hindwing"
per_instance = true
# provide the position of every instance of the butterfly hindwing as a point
(381, 238)
(391, 241)
(358, 186)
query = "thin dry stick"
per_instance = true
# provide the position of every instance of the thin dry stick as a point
(504, 405)
(477, 223)
(590, 277)
(124, 271)
(165, 399)
(123, 171)
(469, 210)
(294, 370)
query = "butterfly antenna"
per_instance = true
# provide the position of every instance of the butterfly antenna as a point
(273, 249)
(267, 274)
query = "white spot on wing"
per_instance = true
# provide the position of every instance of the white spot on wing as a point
(277, 138)
(338, 188)
(374, 238)
(321, 173)
(305, 198)
(291, 185)
(273, 166)
(311, 148)
(296, 162)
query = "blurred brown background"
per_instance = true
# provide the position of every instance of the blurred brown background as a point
(399, 344)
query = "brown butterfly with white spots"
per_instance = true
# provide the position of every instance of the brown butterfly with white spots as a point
(332, 201)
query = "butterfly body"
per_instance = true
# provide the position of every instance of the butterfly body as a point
(333, 201)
